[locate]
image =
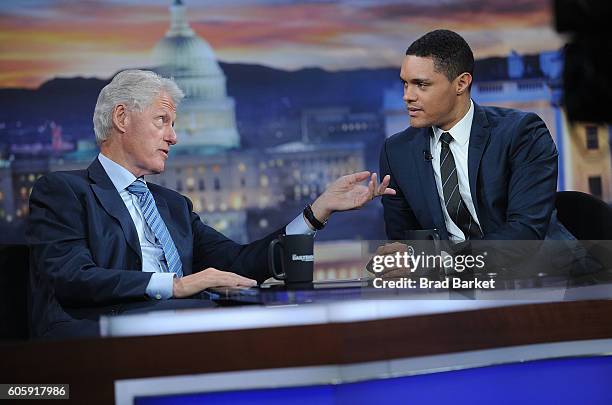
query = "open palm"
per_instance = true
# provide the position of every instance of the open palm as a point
(349, 193)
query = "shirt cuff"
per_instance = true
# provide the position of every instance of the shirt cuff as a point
(160, 286)
(299, 227)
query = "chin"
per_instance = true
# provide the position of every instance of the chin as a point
(158, 169)
(419, 123)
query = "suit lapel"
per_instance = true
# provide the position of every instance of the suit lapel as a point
(479, 137)
(427, 180)
(112, 203)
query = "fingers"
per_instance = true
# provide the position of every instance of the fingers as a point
(389, 272)
(247, 282)
(234, 280)
(383, 188)
(372, 186)
(208, 278)
(389, 269)
(218, 278)
(390, 248)
(360, 176)
(384, 184)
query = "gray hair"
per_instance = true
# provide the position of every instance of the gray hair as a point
(135, 88)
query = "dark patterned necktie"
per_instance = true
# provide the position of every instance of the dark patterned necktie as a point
(455, 206)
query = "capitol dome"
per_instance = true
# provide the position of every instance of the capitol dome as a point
(206, 116)
(190, 54)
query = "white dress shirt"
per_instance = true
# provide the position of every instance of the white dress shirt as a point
(153, 260)
(459, 147)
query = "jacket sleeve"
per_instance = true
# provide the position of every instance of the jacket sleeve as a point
(532, 182)
(60, 254)
(398, 214)
(213, 249)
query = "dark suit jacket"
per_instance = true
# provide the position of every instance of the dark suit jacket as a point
(512, 169)
(84, 250)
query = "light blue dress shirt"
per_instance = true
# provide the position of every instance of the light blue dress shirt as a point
(153, 259)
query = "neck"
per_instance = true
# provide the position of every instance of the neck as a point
(458, 113)
(116, 154)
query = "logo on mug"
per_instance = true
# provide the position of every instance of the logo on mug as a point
(302, 258)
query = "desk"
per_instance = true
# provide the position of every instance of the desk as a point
(538, 288)
(92, 366)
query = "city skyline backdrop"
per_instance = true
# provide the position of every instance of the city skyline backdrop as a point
(261, 132)
(44, 39)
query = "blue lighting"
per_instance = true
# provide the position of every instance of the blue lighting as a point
(583, 380)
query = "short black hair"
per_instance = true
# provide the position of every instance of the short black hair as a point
(451, 54)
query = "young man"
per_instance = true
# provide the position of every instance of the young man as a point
(469, 171)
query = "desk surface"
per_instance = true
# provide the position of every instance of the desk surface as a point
(92, 365)
(539, 288)
(340, 333)
(334, 303)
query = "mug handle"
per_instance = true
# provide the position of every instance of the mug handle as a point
(271, 249)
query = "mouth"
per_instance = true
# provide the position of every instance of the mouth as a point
(164, 152)
(413, 111)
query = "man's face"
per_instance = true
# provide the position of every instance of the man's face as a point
(149, 134)
(431, 99)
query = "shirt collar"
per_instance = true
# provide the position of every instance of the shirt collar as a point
(461, 130)
(119, 175)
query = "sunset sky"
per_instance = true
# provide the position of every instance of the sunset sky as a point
(42, 39)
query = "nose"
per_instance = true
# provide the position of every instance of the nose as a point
(409, 94)
(171, 137)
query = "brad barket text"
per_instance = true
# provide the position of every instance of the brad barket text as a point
(425, 283)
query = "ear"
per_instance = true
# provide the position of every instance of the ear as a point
(120, 118)
(463, 83)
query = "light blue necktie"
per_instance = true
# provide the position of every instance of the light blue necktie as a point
(157, 225)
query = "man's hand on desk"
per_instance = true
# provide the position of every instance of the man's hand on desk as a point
(394, 271)
(207, 278)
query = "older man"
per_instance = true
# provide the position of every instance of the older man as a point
(103, 238)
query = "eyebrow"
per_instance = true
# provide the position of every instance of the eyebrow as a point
(166, 116)
(416, 81)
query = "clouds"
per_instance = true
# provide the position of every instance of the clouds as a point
(44, 38)
(451, 9)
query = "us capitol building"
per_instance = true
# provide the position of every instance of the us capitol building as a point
(207, 116)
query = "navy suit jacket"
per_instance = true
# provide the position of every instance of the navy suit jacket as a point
(84, 250)
(512, 169)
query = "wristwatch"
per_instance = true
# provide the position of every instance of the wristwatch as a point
(309, 215)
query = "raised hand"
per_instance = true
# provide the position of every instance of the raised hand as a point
(348, 193)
